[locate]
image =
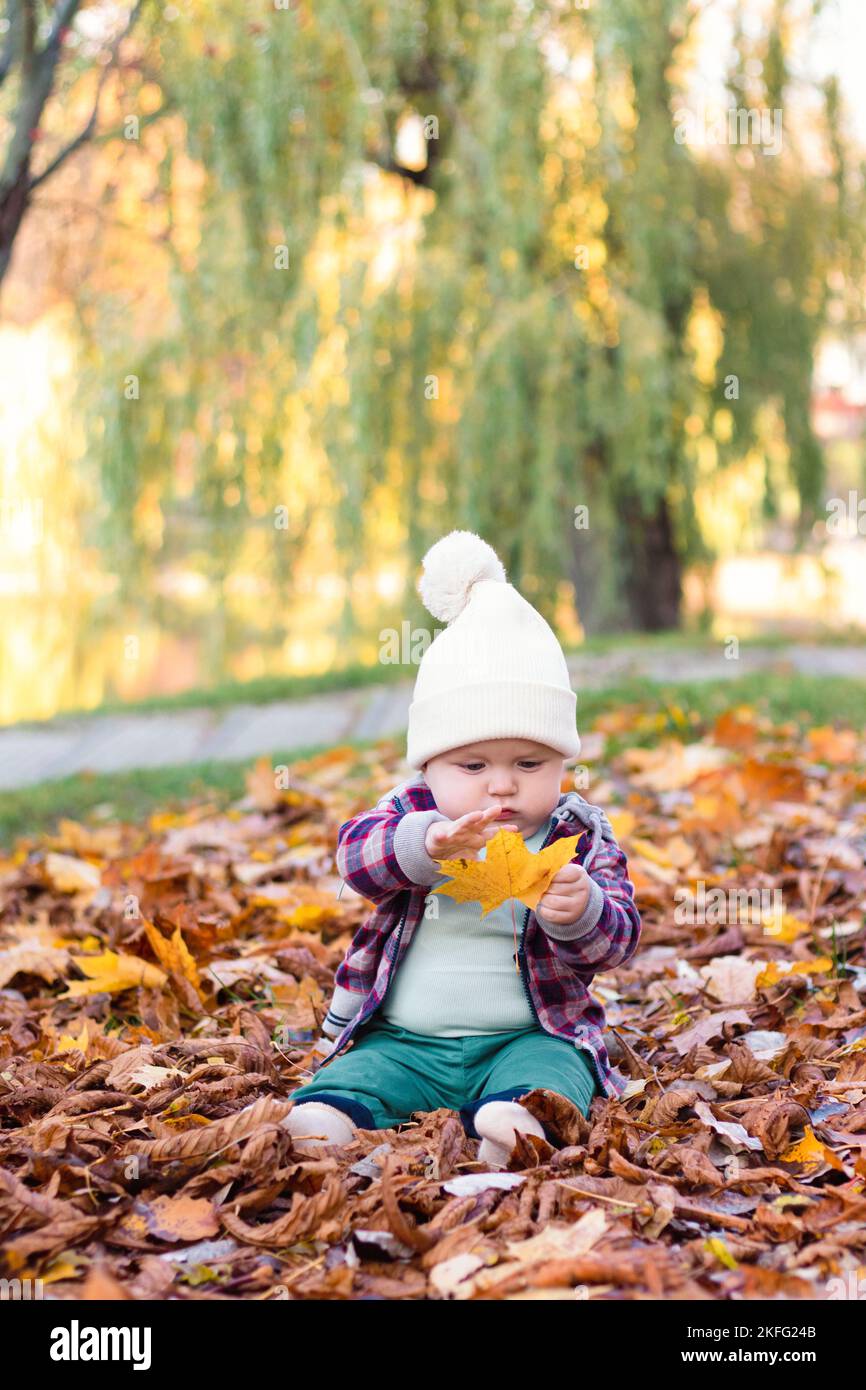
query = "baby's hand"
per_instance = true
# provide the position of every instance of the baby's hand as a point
(567, 895)
(463, 838)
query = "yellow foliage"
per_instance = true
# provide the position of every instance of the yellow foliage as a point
(111, 972)
(173, 954)
(510, 870)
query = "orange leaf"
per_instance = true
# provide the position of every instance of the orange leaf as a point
(173, 954)
(765, 783)
(735, 728)
(810, 1150)
(830, 745)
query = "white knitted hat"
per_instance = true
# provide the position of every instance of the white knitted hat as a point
(497, 669)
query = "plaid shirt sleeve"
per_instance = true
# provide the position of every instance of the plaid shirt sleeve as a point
(382, 852)
(607, 933)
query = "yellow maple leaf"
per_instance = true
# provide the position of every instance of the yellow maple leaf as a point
(173, 954)
(510, 870)
(783, 926)
(70, 1043)
(307, 916)
(111, 972)
(776, 970)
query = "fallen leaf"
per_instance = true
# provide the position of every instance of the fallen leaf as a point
(173, 954)
(70, 875)
(731, 979)
(110, 972)
(36, 950)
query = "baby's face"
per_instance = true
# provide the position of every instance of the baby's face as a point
(515, 773)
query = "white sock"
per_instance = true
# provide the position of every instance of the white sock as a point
(496, 1122)
(313, 1123)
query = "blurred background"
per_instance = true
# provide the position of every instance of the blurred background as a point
(289, 290)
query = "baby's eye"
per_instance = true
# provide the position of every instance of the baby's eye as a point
(524, 762)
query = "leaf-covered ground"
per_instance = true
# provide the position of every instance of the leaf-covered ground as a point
(161, 987)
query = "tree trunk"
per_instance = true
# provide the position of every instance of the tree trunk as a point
(652, 573)
(597, 595)
(13, 205)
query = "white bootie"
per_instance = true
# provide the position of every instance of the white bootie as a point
(312, 1123)
(497, 1122)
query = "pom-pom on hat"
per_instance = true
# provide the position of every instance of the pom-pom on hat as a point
(497, 669)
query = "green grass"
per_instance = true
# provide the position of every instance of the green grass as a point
(807, 700)
(129, 796)
(267, 688)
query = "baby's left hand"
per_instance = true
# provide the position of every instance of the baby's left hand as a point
(567, 895)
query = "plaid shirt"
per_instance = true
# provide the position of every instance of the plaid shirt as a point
(557, 963)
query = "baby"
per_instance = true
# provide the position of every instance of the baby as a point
(434, 1005)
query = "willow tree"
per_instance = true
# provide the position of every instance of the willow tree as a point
(459, 253)
(40, 84)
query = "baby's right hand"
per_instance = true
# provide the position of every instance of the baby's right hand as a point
(463, 838)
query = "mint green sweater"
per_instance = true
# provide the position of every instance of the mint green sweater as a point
(459, 974)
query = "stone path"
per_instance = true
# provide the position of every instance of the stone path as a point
(31, 753)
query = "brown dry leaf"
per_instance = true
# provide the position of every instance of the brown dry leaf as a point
(305, 1215)
(468, 1275)
(736, 1134)
(181, 1218)
(33, 950)
(556, 1241)
(221, 1133)
(135, 1067)
(706, 1028)
(731, 979)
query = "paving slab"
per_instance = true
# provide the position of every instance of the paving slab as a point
(121, 742)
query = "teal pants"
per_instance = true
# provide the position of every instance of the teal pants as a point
(389, 1073)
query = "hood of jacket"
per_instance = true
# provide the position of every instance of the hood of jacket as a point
(574, 810)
